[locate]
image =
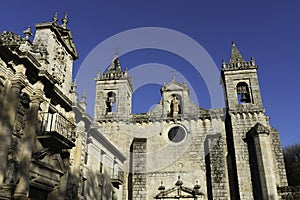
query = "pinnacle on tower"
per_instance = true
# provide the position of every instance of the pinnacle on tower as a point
(27, 33)
(55, 18)
(115, 64)
(65, 21)
(235, 56)
(237, 61)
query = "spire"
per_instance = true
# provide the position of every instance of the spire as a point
(55, 18)
(237, 61)
(115, 64)
(65, 21)
(235, 56)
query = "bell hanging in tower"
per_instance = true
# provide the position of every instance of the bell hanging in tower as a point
(244, 97)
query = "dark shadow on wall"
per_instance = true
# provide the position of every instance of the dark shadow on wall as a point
(231, 162)
(208, 169)
(130, 173)
(255, 179)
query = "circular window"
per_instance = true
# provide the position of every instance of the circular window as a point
(176, 134)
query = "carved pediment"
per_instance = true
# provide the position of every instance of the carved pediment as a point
(174, 86)
(179, 192)
(51, 161)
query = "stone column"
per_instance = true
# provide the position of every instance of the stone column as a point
(27, 143)
(10, 99)
(265, 161)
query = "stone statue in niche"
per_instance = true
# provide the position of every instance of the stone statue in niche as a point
(175, 106)
(12, 170)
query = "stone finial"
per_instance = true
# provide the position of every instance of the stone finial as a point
(179, 182)
(98, 75)
(27, 33)
(252, 61)
(74, 86)
(75, 83)
(223, 64)
(173, 71)
(83, 97)
(197, 186)
(161, 187)
(197, 189)
(55, 18)
(65, 21)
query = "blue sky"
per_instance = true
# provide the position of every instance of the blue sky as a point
(269, 31)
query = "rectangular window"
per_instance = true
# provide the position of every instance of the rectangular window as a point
(86, 158)
(101, 168)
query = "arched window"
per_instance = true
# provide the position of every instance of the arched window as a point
(243, 93)
(111, 102)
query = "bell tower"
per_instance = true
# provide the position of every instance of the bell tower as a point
(248, 133)
(113, 93)
(241, 83)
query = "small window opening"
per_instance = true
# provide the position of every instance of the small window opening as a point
(243, 93)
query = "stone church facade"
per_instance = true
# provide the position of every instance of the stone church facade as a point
(180, 150)
(50, 148)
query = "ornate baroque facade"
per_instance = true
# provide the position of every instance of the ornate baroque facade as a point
(50, 148)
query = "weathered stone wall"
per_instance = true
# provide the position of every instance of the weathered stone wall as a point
(279, 160)
(241, 123)
(289, 193)
(216, 167)
(166, 160)
(138, 166)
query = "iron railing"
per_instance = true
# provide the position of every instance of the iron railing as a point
(56, 122)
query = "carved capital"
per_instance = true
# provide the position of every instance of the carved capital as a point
(19, 79)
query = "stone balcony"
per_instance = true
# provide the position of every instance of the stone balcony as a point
(117, 179)
(57, 132)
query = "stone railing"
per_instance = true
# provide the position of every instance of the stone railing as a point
(239, 65)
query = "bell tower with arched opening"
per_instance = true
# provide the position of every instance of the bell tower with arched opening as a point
(241, 83)
(250, 138)
(113, 93)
